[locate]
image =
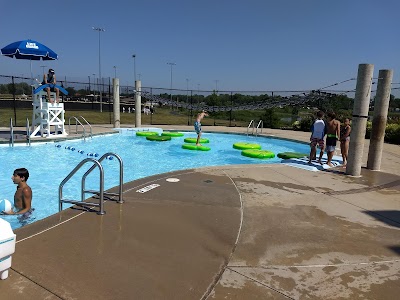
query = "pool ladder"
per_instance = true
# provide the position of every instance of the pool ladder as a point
(76, 126)
(101, 193)
(260, 126)
(28, 132)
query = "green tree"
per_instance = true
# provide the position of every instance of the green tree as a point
(4, 89)
(270, 119)
(71, 91)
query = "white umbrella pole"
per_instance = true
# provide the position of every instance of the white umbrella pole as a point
(30, 62)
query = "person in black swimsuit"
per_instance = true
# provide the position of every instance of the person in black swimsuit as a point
(345, 140)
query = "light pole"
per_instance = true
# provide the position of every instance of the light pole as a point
(139, 75)
(100, 30)
(171, 64)
(94, 84)
(89, 84)
(198, 95)
(115, 71)
(134, 69)
(216, 86)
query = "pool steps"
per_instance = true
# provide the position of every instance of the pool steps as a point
(98, 194)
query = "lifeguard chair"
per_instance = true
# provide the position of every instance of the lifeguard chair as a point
(47, 118)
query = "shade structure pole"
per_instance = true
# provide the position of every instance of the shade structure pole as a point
(138, 103)
(117, 118)
(381, 107)
(360, 117)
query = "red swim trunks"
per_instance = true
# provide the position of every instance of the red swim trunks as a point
(316, 141)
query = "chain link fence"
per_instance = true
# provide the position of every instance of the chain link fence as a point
(162, 106)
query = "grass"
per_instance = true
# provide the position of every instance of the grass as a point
(162, 116)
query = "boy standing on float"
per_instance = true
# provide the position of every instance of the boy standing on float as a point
(197, 125)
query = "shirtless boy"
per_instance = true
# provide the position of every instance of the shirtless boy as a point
(197, 125)
(23, 195)
(332, 136)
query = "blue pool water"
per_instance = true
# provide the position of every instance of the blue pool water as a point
(49, 165)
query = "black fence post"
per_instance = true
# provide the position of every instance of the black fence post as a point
(109, 98)
(230, 114)
(191, 105)
(187, 100)
(151, 106)
(14, 101)
(214, 113)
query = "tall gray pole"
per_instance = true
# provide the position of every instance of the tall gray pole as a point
(171, 64)
(360, 117)
(138, 103)
(134, 67)
(116, 106)
(100, 79)
(381, 107)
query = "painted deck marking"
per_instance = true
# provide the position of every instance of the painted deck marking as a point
(148, 188)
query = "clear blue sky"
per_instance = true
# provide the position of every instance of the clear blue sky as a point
(245, 45)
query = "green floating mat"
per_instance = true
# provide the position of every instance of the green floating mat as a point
(158, 138)
(146, 133)
(194, 147)
(243, 146)
(194, 140)
(255, 153)
(172, 134)
(287, 155)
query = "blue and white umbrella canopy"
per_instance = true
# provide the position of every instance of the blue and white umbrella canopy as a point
(29, 50)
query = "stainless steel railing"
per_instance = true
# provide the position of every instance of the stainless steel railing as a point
(248, 127)
(90, 126)
(61, 200)
(121, 178)
(76, 126)
(260, 125)
(28, 132)
(11, 133)
(100, 193)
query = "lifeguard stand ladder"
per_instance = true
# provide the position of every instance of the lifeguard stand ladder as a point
(45, 114)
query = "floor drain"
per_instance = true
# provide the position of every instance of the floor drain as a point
(172, 180)
(208, 181)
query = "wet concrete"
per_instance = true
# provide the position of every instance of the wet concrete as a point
(233, 232)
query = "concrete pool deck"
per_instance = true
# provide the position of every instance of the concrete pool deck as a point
(231, 232)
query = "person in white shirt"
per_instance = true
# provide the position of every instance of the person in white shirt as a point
(318, 130)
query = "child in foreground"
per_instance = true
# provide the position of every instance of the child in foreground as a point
(23, 194)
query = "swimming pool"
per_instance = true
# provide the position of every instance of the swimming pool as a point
(48, 164)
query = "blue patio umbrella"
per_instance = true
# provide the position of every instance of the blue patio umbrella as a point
(29, 50)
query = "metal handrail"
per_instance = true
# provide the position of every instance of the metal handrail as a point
(251, 123)
(101, 192)
(11, 132)
(121, 178)
(76, 126)
(258, 126)
(28, 132)
(90, 126)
